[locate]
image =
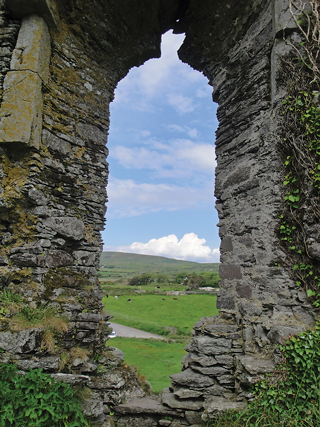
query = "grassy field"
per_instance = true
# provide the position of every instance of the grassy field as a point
(119, 266)
(155, 360)
(159, 314)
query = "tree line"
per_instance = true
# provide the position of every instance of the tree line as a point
(190, 280)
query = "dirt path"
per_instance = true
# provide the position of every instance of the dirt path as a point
(126, 331)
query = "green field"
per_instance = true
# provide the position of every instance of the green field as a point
(164, 317)
(152, 310)
(155, 360)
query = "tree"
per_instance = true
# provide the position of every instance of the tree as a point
(141, 280)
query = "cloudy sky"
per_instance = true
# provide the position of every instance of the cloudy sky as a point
(162, 161)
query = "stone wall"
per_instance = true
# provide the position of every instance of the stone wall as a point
(60, 63)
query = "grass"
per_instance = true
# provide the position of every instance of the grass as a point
(156, 360)
(151, 313)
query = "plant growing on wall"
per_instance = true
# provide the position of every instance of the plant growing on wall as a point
(37, 400)
(300, 149)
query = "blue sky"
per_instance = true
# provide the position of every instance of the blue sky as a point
(162, 161)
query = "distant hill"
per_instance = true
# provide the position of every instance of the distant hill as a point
(120, 264)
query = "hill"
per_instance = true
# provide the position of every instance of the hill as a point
(116, 265)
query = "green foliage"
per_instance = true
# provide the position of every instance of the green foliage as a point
(291, 395)
(141, 280)
(37, 400)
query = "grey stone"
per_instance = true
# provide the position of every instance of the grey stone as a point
(3, 261)
(89, 317)
(72, 379)
(226, 244)
(219, 405)
(27, 260)
(92, 408)
(193, 417)
(205, 345)
(26, 341)
(189, 378)
(225, 360)
(256, 365)
(46, 363)
(56, 144)
(57, 258)
(213, 371)
(70, 227)
(230, 271)
(136, 422)
(185, 393)
(244, 291)
(146, 405)
(169, 399)
(85, 258)
(279, 334)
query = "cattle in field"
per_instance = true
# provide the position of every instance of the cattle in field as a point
(129, 300)
(176, 299)
(115, 297)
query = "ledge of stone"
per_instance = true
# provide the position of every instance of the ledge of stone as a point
(145, 405)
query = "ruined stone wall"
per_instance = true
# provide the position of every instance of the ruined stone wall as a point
(59, 73)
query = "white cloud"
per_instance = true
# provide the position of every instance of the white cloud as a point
(127, 198)
(190, 248)
(191, 132)
(179, 158)
(182, 104)
(204, 92)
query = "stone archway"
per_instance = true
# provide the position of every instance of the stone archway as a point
(61, 63)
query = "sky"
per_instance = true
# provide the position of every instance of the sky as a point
(162, 161)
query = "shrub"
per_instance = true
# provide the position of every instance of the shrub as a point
(37, 400)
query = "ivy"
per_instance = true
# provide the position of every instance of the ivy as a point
(37, 400)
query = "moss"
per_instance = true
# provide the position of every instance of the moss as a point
(64, 278)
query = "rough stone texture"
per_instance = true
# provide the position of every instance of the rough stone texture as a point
(52, 193)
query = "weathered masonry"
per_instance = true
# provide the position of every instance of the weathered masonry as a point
(60, 61)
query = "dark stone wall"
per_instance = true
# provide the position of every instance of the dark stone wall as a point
(53, 191)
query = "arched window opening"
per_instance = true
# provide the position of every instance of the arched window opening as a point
(162, 161)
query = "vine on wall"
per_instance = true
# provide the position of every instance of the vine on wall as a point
(300, 150)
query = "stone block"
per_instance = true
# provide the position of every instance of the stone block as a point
(244, 291)
(212, 371)
(71, 379)
(169, 399)
(205, 345)
(26, 341)
(283, 19)
(193, 417)
(46, 363)
(27, 260)
(33, 48)
(66, 226)
(58, 145)
(56, 258)
(21, 109)
(226, 244)
(85, 258)
(220, 404)
(189, 378)
(226, 303)
(91, 133)
(230, 271)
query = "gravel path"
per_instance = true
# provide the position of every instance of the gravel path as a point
(126, 331)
